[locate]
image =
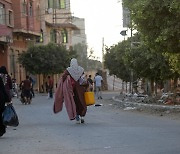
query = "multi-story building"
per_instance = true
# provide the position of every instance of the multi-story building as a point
(24, 23)
(79, 36)
(6, 25)
(56, 23)
(25, 32)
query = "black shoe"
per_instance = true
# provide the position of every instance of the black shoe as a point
(100, 97)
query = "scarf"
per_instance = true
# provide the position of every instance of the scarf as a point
(74, 70)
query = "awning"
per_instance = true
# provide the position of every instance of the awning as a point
(62, 25)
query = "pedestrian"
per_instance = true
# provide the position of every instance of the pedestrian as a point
(71, 90)
(50, 87)
(4, 97)
(90, 82)
(7, 82)
(26, 90)
(98, 84)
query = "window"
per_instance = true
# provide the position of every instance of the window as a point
(24, 7)
(2, 14)
(50, 3)
(30, 9)
(10, 18)
(64, 35)
(40, 39)
(53, 36)
(61, 4)
(57, 4)
(41, 36)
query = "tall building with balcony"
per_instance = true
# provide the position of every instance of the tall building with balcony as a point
(27, 29)
(6, 27)
(57, 26)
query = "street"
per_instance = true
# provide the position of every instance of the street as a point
(107, 130)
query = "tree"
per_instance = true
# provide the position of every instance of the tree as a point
(48, 59)
(158, 22)
(114, 62)
(145, 63)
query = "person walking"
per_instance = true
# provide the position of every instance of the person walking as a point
(98, 84)
(4, 96)
(71, 91)
(26, 90)
(3, 100)
(90, 81)
(7, 82)
(50, 87)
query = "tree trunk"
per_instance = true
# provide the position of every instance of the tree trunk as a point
(156, 88)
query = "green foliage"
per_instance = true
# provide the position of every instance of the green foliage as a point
(114, 61)
(148, 64)
(144, 62)
(48, 59)
(158, 21)
(174, 61)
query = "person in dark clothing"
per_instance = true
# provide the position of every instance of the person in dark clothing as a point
(79, 87)
(26, 90)
(3, 99)
(50, 87)
(90, 82)
(7, 82)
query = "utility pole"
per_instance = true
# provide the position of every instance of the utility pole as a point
(132, 74)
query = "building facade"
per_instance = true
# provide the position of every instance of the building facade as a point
(25, 23)
(79, 36)
(56, 23)
(6, 27)
(25, 33)
(56, 26)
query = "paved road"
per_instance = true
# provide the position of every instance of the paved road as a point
(107, 131)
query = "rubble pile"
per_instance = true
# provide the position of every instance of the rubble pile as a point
(144, 102)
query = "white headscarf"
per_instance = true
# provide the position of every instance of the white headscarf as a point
(74, 70)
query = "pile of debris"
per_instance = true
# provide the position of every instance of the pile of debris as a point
(144, 102)
(164, 99)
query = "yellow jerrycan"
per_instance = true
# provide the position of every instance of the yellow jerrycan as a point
(89, 98)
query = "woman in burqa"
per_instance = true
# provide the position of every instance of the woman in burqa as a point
(71, 91)
(3, 100)
(7, 82)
